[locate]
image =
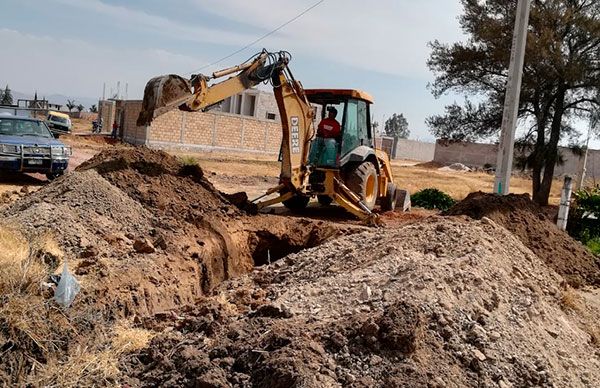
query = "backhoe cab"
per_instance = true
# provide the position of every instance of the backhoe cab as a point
(346, 169)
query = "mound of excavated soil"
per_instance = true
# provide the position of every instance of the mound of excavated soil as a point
(449, 302)
(523, 217)
(144, 233)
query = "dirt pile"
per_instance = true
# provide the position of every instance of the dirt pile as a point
(447, 302)
(145, 233)
(524, 218)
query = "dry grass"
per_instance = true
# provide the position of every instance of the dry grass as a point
(459, 184)
(52, 346)
(96, 358)
(414, 178)
(571, 300)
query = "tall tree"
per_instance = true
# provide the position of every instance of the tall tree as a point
(94, 108)
(80, 108)
(561, 73)
(7, 98)
(397, 126)
(71, 104)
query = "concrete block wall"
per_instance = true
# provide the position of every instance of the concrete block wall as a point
(479, 155)
(107, 112)
(470, 154)
(131, 132)
(212, 130)
(415, 150)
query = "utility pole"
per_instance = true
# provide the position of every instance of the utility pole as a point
(511, 100)
(104, 91)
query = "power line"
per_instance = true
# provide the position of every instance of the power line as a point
(259, 39)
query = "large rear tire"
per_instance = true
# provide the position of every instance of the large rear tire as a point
(363, 182)
(297, 202)
(389, 202)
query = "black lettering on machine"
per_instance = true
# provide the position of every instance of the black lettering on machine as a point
(295, 132)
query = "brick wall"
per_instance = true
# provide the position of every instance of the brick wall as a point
(130, 131)
(107, 113)
(212, 130)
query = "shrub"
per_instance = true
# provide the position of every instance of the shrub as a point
(584, 217)
(432, 199)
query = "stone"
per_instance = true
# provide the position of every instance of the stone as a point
(375, 360)
(494, 335)
(479, 355)
(143, 246)
(366, 293)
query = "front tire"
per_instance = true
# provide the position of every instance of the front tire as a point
(363, 181)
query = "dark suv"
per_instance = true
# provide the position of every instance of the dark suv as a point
(27, 145)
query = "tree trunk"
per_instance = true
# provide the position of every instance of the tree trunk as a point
(537, 157)
(551, 151)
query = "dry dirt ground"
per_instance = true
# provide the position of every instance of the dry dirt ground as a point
(181, 286)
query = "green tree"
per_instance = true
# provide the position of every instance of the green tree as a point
(397, 126)
(80, 108)
(71, 104)
(561, 73)
(94, 108)
(7, 98)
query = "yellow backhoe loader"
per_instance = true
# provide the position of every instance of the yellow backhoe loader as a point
(347, 169)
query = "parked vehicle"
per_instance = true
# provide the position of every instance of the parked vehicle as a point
(27, 145)
(59, 123)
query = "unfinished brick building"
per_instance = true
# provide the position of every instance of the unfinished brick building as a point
(247, 122)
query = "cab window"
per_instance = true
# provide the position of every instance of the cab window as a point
(351, 134)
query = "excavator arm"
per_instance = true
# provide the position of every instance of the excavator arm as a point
(169, 92)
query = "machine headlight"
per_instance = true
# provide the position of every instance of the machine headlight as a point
(61, 151)
(10, 148)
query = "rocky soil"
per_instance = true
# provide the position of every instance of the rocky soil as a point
(448, 302)
(480, 297)
(145, 234)
(528, 222)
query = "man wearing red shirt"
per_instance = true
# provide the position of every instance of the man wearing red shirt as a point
(329, 127)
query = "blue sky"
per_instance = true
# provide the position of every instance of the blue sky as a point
(72, 47)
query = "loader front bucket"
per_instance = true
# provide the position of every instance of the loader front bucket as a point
(162, 94)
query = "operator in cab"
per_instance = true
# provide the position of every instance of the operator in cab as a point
(329, 128)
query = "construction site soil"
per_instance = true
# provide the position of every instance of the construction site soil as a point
(242, 299)
(528, 221)
(147, 234)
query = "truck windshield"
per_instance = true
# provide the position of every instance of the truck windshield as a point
(16, 127)
(57, 119)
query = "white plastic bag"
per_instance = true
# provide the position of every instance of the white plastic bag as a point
(68, 287)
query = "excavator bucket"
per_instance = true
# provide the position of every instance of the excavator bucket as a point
(162, 94)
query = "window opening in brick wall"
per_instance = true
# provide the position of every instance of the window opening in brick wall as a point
(271, 116)
(249, 105)
(226, 105)
(238, 104)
